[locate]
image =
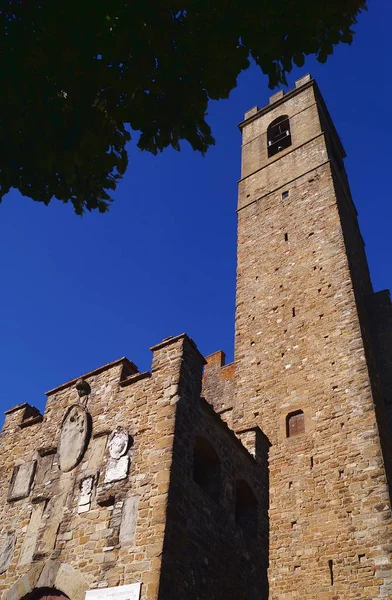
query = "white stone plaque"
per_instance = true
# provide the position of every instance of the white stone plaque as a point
(121, 592)
(116, 469)
(118, 442)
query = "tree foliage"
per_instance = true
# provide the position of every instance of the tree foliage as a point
(78, 76)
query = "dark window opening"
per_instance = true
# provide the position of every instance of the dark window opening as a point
(295, 423)
(278, 135)
(206, 468)
(285, 195)
(246, 508)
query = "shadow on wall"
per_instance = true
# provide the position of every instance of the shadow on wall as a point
(217, 530)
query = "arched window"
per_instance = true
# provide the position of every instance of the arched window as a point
(246, 508)
(295, 423)
(206, 468)
(278, 135)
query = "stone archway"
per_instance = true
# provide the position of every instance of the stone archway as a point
(63, 581)
(45, 593)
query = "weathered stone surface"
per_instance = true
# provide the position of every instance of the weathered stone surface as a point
(97, 451)
(43, 469)
(116, 469)
(21, 481)
(24, 584)
(71, 582)
(48, 574)
(54, 513)
(118, 442)
(129, 519)
(7, 545)
(73, 437)
(31, 536)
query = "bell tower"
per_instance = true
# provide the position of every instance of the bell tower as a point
(306, 369)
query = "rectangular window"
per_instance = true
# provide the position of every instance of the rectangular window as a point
(285, 195)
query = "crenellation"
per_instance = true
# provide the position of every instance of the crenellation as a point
(218, 382)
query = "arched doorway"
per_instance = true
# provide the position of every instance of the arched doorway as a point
(45, 593)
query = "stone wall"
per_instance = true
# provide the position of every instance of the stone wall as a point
(206, 541)
(105, 516)
(85, 486)
(218, 385)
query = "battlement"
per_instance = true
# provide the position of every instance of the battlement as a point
(218, 384)
(120, 373)
(276, 97)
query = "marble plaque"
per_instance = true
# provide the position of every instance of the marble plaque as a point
(116, 469)
(74, 437)
(86, 490)
(121, 592)
(21, 480)
(7, 545)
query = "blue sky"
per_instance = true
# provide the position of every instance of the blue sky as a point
(80, 292)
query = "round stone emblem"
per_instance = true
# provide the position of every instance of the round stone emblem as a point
(74, 437)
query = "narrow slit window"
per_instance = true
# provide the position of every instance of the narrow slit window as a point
(330, 566)
(278, 135)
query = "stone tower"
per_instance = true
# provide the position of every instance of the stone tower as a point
(306, 355)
